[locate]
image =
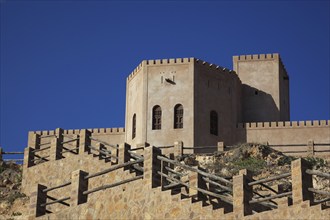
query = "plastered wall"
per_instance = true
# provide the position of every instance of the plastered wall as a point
(263, 92)
(288, 136)
(215, 89)
(167, 95)
(147, 87)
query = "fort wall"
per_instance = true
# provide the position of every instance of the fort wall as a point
(291, 137)
(109, 135)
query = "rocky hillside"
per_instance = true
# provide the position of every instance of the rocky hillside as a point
(260, 159)
(13, 203)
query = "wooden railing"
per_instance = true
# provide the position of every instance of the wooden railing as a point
(5, 153)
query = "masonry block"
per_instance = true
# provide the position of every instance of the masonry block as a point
(101, 147)
(123, 155)
(28, 157)
(178, 148)
(284, 201)
(221, 146)
(151, 166)
(78, 185)
(242, 194)
(193, 183)
(301, 181)
(310, 147)
(55, 149)
(37, 199)
(84, 141)
(34, 140)
(59, 133)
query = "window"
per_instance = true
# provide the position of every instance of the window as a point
(134, 126)
(178, 116)
(156, 117)
(214, 122)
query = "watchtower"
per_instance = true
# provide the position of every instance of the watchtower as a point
(265, 87)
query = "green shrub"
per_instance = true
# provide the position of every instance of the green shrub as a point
(316, 162)
(14, 196)
(16, 213)
(250, 163)
(285, 160)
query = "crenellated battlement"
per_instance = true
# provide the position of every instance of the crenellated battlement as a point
(158, 62)
(285, 124)
(77, 131)
(170, 61)
(255, 57)
(261, 57)
(135, 71)
(219, 69)
(178, 61)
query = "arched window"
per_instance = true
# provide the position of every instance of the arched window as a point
(178, 116)
(156, 117)
(214, 122)
(134, 126)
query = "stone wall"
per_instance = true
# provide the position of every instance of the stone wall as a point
(144, 194)
(59, 161)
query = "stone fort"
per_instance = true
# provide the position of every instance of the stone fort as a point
(173, 107)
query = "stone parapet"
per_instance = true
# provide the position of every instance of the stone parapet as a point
(284, 124)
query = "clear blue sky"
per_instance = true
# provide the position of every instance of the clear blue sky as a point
(65, 63)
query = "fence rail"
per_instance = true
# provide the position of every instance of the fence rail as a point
(105, 143)
(55, 201)
(113, 168)
(212, 176)
(269, 179)
(57, 187)
(318, 173)
(2, 153)
(270, 197)
(112, 185)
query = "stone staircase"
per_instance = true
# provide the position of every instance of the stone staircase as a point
(146, 198)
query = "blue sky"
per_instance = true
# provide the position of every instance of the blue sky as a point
(65, 63)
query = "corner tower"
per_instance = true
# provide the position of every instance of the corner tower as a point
(265, 87)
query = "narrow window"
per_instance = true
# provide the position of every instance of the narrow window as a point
(156, 117)
(178, 116)
(134, 126)
(214, 122)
